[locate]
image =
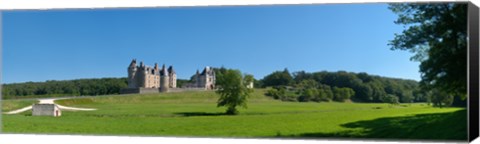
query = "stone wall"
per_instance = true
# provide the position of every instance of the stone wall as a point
(139, 90)
(185, 89)
(148, 90)
(45, 110)
(156, 90)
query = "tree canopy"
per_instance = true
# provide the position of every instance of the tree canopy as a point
(232, 87)
(278, 78)
(52, 88)
(437, 35)
(342, 85)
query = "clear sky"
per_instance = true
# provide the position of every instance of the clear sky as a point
(41, 45)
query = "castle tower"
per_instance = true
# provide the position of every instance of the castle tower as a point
(172, 81)
(197, 79)
(156, 66)
(141, 75)
(208, 79)
(156, 76)
(164, 79)
(132, 70)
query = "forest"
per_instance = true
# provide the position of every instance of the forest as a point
(78, 87)
(348, 86)
(340, 86)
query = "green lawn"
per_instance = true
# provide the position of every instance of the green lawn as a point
(8, 105)
(196, 114)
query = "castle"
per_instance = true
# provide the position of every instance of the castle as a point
(145, 79)
(142, 76)
(206, 79)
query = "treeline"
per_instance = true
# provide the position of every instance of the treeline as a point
(79, 87)
(181, 82)
(341, 86)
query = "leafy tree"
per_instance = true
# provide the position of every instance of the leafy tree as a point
(257, 83)
(441, 99)
(278, 78)
(181, 82)
(390, 99)
(407, 96)
(324, 93)
(419, 95)
(378, 91)
(328, 93)
(341, 94)
(248, 78)
(437, 35)
(301, 75)
(308, 94)
(307, 83)
(273, 92)
(232, 88)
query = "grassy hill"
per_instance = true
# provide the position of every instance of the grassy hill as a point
(195, 114)
(8, 105)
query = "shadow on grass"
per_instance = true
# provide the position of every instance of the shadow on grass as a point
(443, 126)
(189, 114)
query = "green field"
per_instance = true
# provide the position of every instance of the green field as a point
(195, 114)
(8, 105)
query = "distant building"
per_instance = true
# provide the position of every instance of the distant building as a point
(250, 85)
(142, 76)
(206, 79)
(46, 110)
(145, 79)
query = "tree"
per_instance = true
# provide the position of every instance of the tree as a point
(301, 75)
(232, 88)
(390, 99)
(308, 83)
(341, 94)
(248, 79)
(278, 78)
(441, 99)
(324, 93)
(437, 35)
(308, 94)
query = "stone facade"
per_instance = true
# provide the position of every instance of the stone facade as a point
(144, 79)
(205, 80)
(142, 76)
(46, 110)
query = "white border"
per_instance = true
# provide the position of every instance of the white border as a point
(88, 4)
(75, 139)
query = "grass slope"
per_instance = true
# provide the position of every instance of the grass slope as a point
(8, 105)
(196, 114)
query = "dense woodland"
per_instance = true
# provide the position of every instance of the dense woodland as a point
(79, 87)
(52, 88)
(340, 86)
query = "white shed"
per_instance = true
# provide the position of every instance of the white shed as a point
(46, 110)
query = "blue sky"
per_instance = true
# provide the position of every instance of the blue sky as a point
(41, 45)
